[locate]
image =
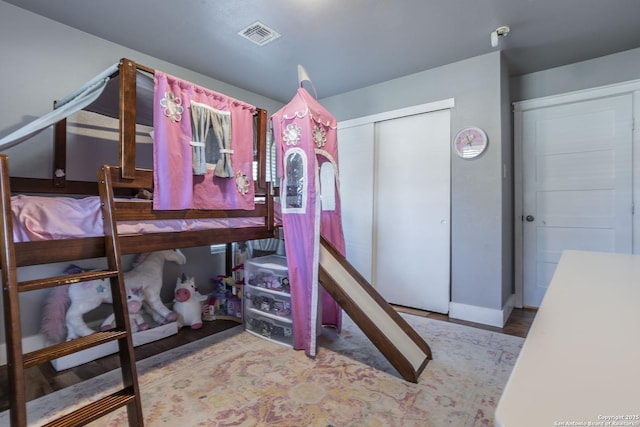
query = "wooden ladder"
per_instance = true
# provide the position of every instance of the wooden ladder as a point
(17, 361)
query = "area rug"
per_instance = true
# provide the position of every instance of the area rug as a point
(235, 378)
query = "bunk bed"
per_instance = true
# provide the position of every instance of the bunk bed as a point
(128, 87)
(124, 92)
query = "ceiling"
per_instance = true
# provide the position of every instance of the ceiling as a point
(348, 44)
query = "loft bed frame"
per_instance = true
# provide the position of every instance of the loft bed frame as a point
(124, 179)
(123, 89)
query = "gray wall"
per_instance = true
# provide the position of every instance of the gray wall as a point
(606, 70)
(508, 279)
(481, 230)
(43, 61)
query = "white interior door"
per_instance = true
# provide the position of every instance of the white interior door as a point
(577, 185)
(412, 210)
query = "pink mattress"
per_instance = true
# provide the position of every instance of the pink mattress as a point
(49, 218)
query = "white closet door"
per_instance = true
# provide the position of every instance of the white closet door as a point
(355, 151)
(412, 211)
(577, 183)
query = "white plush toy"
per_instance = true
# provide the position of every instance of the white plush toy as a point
(66, 305)
(188, 303)
(134, 304)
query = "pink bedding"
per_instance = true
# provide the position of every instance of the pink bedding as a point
(49, 218)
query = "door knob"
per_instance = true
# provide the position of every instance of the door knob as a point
(529, 218)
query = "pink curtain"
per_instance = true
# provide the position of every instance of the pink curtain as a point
(175, 186)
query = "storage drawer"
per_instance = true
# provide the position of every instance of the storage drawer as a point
(275, 329)
(267, 301)
(268, 272)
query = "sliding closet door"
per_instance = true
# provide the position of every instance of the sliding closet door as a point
(412, 210)
(356, 194)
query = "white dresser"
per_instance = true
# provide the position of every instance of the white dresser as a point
(580, 363)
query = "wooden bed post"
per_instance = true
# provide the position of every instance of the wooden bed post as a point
(228, 260)
(11, 304)
(60, 154)
(127, 126)
(261, 142)
(270, 219)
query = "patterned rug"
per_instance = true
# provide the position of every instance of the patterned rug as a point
(237, 379)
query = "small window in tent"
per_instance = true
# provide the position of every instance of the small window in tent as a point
(294, 183)
(328, 186)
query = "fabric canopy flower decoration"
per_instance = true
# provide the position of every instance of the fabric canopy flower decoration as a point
(319, 136)
(291, 134)
(242, 183)
(172, 107)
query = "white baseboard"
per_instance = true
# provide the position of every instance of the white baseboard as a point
(483, 315)
(31, 343)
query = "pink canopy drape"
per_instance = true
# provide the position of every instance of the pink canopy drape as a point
(306, 135)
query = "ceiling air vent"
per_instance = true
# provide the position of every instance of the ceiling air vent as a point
(259, 33)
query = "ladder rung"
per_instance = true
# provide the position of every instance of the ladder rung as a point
(95, 410)
(67, 279)
(73, 346)
(12, 255)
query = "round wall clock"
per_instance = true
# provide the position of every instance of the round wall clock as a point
(470, 142)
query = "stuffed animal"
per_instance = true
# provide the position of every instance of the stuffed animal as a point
(188, 303)
(65, 307)
(134, 304)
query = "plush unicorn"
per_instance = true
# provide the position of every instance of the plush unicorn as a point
(147, 273)
(134, 304)
(67, 304)
(188, 303)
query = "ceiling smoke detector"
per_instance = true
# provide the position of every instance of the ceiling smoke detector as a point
(259, 33)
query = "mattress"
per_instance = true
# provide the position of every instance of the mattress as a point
(51, 218)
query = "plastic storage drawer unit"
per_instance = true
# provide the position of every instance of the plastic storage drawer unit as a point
(276, 330)
(267, 299)
(268, 272)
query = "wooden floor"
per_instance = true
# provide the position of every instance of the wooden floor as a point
(518, 323)
(43, 379)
